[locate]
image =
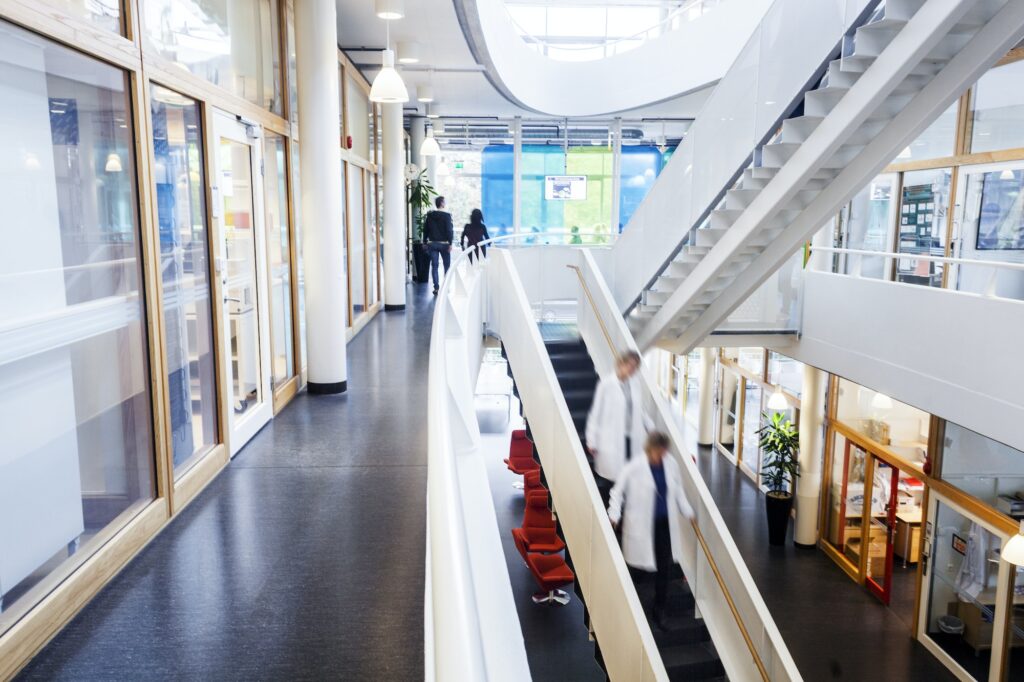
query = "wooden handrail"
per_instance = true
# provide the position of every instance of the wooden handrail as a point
(700, 536)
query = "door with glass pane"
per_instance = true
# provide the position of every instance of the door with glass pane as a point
(868, 225)
(881, 528)
(238, 205)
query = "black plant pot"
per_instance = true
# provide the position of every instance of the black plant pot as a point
(778, 507)
(421, 261)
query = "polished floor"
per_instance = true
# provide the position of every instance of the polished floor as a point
(303, 560)
(834, 628)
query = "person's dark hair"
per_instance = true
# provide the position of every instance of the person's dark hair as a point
(439, 202)
(657, 440)
(476, 217)
(630, 356)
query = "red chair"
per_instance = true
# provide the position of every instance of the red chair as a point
(520, 454)
(537, 534)
(551, 572)
(533, 486)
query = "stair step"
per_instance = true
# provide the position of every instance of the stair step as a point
(697, 661)
(709, 236)
(798, 129)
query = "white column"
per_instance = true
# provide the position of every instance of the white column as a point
(394, 208)
(430, 162)
(316, 42)
(417, 131)
(812, 443)
(613, 223)
(517, 174)
(706, 397)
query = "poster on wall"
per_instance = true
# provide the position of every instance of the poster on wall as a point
(565, 187)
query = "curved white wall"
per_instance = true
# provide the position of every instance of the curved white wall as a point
(689, 58)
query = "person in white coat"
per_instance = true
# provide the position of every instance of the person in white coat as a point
(649, 501)
(616, 423)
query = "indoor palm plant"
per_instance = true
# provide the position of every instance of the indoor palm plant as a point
(421, 194)
(780, 442)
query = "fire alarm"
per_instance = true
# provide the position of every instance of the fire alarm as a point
(348, 142)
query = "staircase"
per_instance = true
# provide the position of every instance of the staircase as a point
(685, 644)
(887, 81)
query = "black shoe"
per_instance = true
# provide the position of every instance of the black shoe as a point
(435, 291)
(660, 621)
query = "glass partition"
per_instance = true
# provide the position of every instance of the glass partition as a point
(750, 446)
(902, 429)
(232, 44)
(985, 469)
(75, 411)
(728, 410)
(998, 109)
(870, 218)
(496, 189)
(357, 117)
(924, 214)
(275, 183)
(938, 139)
(785, 372)
(300, 274)
(356, 240)
(106, 14)
(373, 254)
(185, 275)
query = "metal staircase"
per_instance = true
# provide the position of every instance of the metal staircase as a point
(889, 79)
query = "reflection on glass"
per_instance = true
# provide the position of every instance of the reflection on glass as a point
(961, 603)
(275, 183)
(868, 227)
(373, 246)
(752, 360)
(881, 527)
(728, 409)
(357, 113)
(293, 75)
(751, 423)
(103, 13)
(923, 218)
(992, 230)
(185, 275)
(785, 372)
(845, 499)
(297, 204)
(640, 167)
(998, 109)
(240, 298)
(988, 470)
(356, 240)
(901, 428)
(459, 180)
(75, 415)
(229, 43)
(938, 139)
(692, 398)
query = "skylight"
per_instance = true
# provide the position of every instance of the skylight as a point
(584, 30)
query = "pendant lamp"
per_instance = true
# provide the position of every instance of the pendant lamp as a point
(777, 401)
(113, 163)
(424, 93)
(430, 146)
(388, 87)
(1013, 551)
(389, 9)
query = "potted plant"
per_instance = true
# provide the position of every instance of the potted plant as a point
(780, 442)
(421, 194)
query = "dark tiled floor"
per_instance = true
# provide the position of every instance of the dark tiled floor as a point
(833, 627)
(303, 560)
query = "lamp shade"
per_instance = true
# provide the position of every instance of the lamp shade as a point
(430, 147)
(881, 402)
(408, 53)
(1013, 551)
(389, 9)
(424, 93)
(1006, 175)
(388, 86)
(777, 401)
(113, 163)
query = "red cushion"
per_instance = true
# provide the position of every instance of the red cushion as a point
(549, 570)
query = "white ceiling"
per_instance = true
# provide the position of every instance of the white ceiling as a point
(460, 86)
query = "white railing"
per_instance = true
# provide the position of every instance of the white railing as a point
(742, 629)
(745, 108)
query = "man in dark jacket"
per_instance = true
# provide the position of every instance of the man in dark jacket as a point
(438, 236)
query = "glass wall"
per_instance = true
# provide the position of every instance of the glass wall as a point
(924, 213)
(231, 44)
(998, 108)
(75, 410)
(357, 118)
(985, 469)
(496, 188)
(899, 427)
(300, 272)
(991, 229)
(275, 179)
(938, 139)
(459, 180)
(868, 227)
(356, 240)
(106, 14)
(185, 275)
(640, 167)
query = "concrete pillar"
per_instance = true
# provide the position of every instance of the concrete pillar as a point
(394, 208)
(812, 444)
(316, 43)
(706, 397)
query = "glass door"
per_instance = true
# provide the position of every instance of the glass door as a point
(238, 205)
(881, 528)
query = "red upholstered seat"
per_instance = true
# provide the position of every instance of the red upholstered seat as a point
(533, 486)
(537, 533)
(551, 572)
(520, 454)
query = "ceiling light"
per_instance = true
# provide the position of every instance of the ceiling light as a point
(389, 9)
(881, 402)
(424, 93)
(1013, 551)
(430, 146)
(1006, 175)
(113, 163)
(408, 53)
(388, 86)
(31, 161)
(777, 401)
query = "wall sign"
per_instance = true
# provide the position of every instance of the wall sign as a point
(959, 544)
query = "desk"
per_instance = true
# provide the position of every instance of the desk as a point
(977, 626)
(907, 543)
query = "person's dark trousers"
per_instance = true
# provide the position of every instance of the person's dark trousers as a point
(604, 488)
(435, 249)
(663, 560)
(478, 252)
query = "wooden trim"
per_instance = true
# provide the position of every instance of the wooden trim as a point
(1014, 55)
(919, 573)
(964, 121)
(348, 241)
(293, 258)
(367, 226)
(284, 393)
(29, 635)
(131, 21)
(199, 475)
(360, 79)
(80, 35)
(841, 560)
(971, 159)
(362, 321)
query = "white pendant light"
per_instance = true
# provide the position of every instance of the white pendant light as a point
(408, 53)
(113, 163)
(429, 111)
(388, 86)
(1013, 551)
(881, 402)
(389, 9)
(777, 401)
(424, 93)
(1006, 175)
(430, 147)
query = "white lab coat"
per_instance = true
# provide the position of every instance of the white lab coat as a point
(636, 485)
(606, 425)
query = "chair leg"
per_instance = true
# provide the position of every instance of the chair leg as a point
(553, 596)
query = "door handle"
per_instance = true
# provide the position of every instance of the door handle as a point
(232, 300)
